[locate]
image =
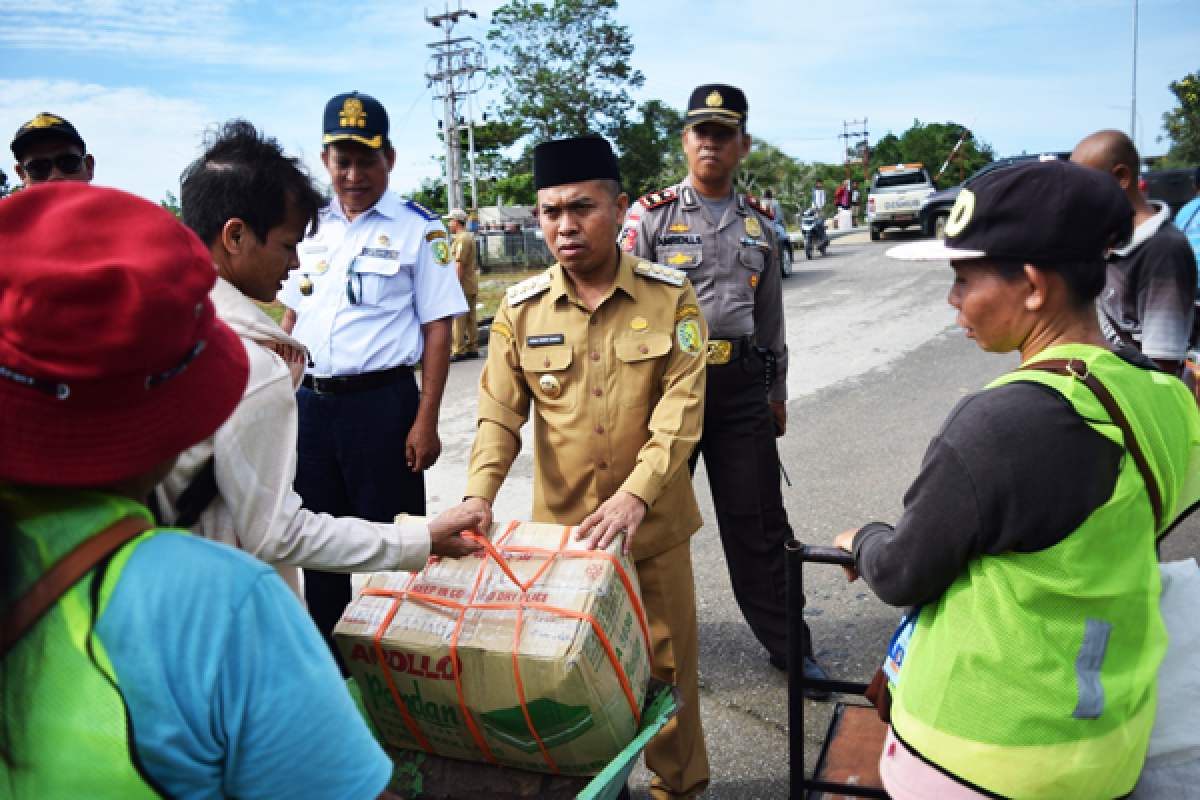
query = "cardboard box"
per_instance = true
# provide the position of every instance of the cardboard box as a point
(442, 643)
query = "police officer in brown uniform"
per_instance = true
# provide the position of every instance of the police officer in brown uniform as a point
(462, 250)
(609, 352)
(724, 241)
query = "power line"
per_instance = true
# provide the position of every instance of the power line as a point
(454, 63)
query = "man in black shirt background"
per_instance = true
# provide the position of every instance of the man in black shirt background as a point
(1149, 300)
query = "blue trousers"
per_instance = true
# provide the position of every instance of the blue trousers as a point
(351, 463)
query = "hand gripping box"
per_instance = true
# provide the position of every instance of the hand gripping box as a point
(530, 654)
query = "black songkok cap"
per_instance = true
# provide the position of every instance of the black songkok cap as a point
(587, 158)
(1042, 213)
(719, 103)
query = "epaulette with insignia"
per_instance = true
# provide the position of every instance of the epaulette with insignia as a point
(658, 272)
(530, 287)
(757, 206)
(656, 199)
(422, 210)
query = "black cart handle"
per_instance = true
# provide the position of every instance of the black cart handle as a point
(820, 554)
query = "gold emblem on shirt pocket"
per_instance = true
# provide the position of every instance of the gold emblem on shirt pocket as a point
(641, 355)
(547, 367)
(682, 257)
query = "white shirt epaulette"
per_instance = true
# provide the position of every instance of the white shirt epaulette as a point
(528, 288)
(658, 272)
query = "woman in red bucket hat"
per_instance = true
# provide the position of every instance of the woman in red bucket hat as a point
(138, 662)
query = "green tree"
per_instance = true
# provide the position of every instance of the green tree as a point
(171, 203)
(432, 195)
(930, 145)
(651, 150)
(1183, 123)
(887, 151)
(566, 68)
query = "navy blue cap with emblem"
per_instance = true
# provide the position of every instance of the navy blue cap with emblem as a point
(356, 117)
(717, 102)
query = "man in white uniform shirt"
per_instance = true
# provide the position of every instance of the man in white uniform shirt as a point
(374, 295)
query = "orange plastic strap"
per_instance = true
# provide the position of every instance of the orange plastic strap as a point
(493, 551)
(521, 694)
(387, 675)
(462, 702)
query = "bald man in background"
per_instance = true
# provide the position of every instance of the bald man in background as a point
(1150, 299)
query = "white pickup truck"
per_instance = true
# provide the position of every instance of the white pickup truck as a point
(895, 197)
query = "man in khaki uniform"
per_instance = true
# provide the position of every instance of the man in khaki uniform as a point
(462, 250)
(609, 350)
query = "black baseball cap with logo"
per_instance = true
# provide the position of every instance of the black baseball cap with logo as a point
(1041, 213)
(356, 117)
(717, 102)
(44, 126)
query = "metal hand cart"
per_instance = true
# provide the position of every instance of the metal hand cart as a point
(848, 765)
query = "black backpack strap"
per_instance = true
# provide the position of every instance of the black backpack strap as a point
(197, 497)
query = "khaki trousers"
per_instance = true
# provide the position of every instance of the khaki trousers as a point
(677, 755)
(466, 330)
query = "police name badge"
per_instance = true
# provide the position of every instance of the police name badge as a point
(752, 227)
(688, 335)
(441, 252)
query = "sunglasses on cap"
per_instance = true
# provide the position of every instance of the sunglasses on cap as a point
(39, 169)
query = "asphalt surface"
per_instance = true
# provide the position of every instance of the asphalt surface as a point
(876, 365)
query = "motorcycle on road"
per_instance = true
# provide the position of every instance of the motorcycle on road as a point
(812, 226)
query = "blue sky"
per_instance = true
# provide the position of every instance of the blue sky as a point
(142, 80)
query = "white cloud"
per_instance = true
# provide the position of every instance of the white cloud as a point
(141, 140)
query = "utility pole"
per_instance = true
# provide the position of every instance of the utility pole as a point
(859, 137)
(1133, 97)
(454, 62)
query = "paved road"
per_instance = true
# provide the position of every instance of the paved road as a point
(877, 363)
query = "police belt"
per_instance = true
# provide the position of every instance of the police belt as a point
(722, 351)
(348, 384)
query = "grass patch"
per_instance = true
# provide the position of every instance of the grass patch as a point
(492, 288)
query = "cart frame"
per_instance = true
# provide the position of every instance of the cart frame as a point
(798, 554)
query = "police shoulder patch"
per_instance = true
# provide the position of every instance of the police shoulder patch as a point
(659, 198)
(422, 210)
(759, 207)
(658, 272)
(530, 287)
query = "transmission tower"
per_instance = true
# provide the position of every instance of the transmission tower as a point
(453, 66)
(859, 137)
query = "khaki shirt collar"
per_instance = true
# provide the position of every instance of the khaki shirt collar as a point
(561, 287)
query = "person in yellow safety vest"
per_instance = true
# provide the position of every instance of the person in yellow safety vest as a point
(1027, 667)
(138, 662)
